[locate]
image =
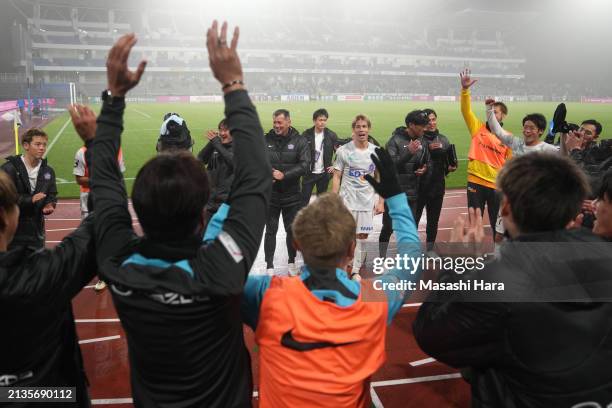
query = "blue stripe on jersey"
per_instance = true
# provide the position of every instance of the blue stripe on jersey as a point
(137, 259)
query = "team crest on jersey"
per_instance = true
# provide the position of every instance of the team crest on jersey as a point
(290, 147)
(47, 176)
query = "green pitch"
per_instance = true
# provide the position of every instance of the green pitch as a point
(142, 123)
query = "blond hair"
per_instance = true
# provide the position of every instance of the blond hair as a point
(324, 230)
(361, 117)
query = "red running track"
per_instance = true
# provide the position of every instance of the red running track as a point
(408, 378)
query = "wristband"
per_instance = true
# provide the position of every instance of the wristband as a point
(234, 82)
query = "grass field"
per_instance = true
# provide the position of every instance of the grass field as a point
(142, 123)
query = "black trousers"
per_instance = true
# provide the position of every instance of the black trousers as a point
(308, 183)
(387, 228)
(433, 203)
(289, 211)
(478, 196)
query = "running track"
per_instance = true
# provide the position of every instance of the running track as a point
(408, 378)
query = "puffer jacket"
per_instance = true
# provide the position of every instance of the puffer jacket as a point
(407, 163)
(291, 155)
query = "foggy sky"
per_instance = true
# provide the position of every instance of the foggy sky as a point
(561, 39)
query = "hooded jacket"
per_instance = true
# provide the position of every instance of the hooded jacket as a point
(407, 163)
(433, 182)
(39, 344)
(543, 341)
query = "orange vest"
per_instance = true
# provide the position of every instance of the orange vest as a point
(487, 156)
(349, 346)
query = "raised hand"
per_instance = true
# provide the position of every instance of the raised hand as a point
(84, 121)
(211, 134)
(224, 61)
(468, 231)
(466, 79)
(120, 78)
(573, 141)
(388, 186)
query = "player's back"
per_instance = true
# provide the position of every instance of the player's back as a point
(316, 352)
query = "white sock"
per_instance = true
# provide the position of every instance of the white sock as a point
(360, 255)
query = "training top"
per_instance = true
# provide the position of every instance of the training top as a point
(487, 153)
(179, 300)
(354, 163)
(321, 335)
(517, 144)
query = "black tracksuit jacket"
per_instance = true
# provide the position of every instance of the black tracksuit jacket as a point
(405, 162)
(289, 154)
(31, 229)
(546, 339)
(219, 160)
(39, 345)
(179, 302)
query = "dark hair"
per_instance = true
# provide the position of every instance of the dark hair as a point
(29, 135)
(598, 127)
(222, 124)
(320, 112)
(545, 190)
(537, 118)
(429, 111)
(8, 196)
(169, 195)
(606, 186)
(418, 117)
(502, 106)
(283, 112)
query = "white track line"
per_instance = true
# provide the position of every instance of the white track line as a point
(56, 138)
(422, 362)
(98, 339)
(375, 400)
(146, 115)
(387, 383)
(109, 401)
(96, 320)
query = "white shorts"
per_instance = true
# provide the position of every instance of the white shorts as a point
(364, 221)
(84, 211)
(499, 224)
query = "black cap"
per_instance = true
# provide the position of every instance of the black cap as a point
(417, 117)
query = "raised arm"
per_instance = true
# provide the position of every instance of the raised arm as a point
(223, 264)
(113, 221)
(504, 136)
(408, 243)
(472, 122)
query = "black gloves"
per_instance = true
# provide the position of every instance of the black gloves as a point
(388, 186)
